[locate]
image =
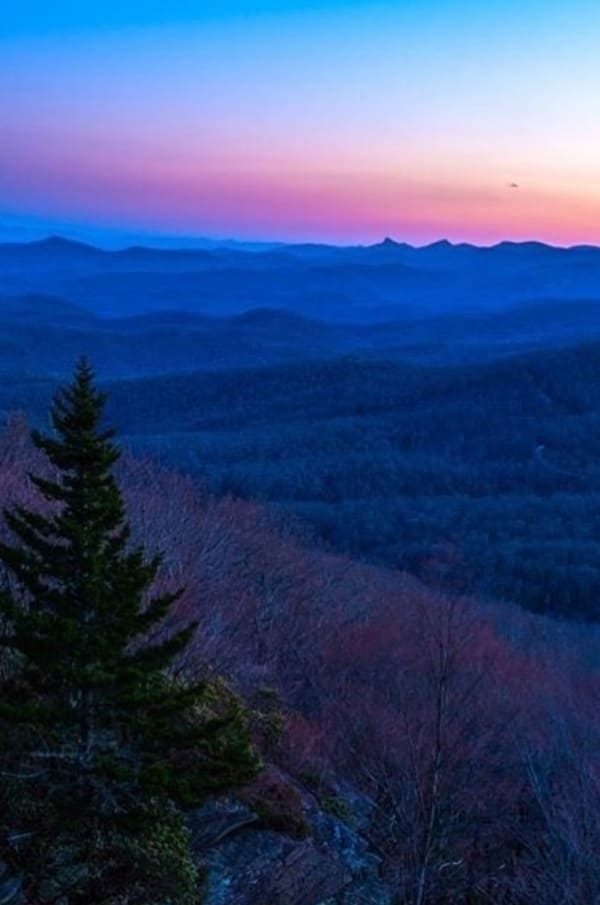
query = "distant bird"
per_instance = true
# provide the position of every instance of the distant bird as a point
(513, 185)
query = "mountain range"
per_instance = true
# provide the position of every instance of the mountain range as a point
(362, 284)
(393, 397)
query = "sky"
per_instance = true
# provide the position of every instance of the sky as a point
(333, 120)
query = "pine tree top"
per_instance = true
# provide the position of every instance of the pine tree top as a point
(80, 443)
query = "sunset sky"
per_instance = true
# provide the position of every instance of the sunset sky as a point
(339, 121)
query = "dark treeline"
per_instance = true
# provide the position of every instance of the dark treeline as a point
(389, 462)
(392, 462)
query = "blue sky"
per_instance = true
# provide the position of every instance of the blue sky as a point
(62, 16)
(333, 119)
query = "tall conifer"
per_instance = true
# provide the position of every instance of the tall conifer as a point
(100, 746)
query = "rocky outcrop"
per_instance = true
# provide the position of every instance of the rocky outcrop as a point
(253, 852)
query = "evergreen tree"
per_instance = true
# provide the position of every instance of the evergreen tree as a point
(101, 748)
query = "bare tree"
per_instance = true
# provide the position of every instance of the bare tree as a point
(560, 864)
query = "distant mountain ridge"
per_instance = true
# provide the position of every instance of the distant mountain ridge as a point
(351, 284)
(44, 333)
(56, 240)
(138, 311)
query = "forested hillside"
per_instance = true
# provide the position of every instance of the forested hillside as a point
(494, 466)
(384, 528)
(390, 463)
(410, 404)
(417, 746)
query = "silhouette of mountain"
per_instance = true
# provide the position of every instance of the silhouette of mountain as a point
(360, 284)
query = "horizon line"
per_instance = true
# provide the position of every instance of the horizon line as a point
(112, 243)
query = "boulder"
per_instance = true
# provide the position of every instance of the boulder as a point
(275, 845)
